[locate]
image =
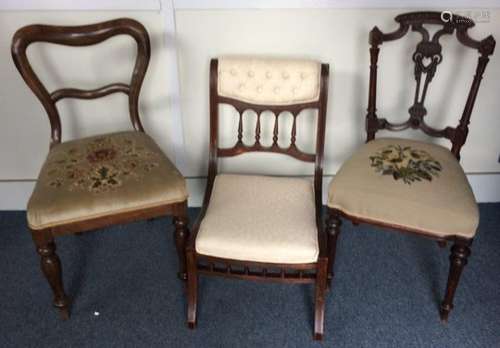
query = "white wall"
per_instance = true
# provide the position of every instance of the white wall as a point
(332, 35)
(339, 37)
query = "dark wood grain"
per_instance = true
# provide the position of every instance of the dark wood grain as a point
(83, 36)
(333, 224)
(431, 49)
(460, 252)
(51, 268)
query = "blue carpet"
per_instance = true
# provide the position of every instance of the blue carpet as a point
(385, 294)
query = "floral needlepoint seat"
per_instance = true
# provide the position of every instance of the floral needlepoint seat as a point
(101, 175)
(411, 186)
(406, 183)
(95, 182)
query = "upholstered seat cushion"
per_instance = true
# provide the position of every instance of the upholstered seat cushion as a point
(103, 175)
(405, 183)
(260, 218)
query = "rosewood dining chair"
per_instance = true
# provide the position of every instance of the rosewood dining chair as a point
(98, 181)
(259, 227)
(413, 186)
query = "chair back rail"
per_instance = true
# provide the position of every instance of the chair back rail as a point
(427, 56)
(82, 36)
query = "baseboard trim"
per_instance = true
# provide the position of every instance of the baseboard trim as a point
(14, 195)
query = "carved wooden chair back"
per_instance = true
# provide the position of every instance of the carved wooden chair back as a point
(427, 57)
(82, 36)
(268, 85)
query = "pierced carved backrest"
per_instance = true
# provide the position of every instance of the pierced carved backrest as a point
(82, 36)
(275, 85)
(426, 59)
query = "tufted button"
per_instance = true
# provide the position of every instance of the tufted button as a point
(251, 73)
(259, 89)
(233, 72)
(294, 89)
(285, 75)
(276, 90)
(241, 86)
(303, 75)
(269, 75)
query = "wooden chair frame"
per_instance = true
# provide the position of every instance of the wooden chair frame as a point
(286, 273)
(430, 48)
(84, 36)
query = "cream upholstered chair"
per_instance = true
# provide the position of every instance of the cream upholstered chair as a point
(408, 185)
(102, 180)
(263, 227)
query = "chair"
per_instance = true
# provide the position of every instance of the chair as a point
(260, 227)
(103, 180)
(413, 186)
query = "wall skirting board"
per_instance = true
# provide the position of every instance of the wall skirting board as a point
(15, 194)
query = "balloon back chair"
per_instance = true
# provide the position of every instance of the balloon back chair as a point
(414, 186)
(260, 227)
(98, 181)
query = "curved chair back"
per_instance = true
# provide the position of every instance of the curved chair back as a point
(82, 36)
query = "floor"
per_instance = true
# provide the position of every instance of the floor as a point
(125, 293)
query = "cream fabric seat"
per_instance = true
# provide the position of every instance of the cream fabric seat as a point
(406, 183)
(102, 175)
(260, 218)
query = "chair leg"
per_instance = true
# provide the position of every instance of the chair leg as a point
(51, 268)
(333, 224)
(320, 292)
(460, 251)
(181, 236)
(192, 289)
(442, 243)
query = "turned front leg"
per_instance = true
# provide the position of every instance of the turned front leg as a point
(333, 230)
(460, 251)
(181, 235)
(51, 268)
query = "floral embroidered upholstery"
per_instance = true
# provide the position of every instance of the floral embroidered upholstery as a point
(406, 183)
(102, 175)
(103, 164)
(405, 163)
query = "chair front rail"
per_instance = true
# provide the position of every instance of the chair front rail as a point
(394, 227)
(287, 273)
(173, 209)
